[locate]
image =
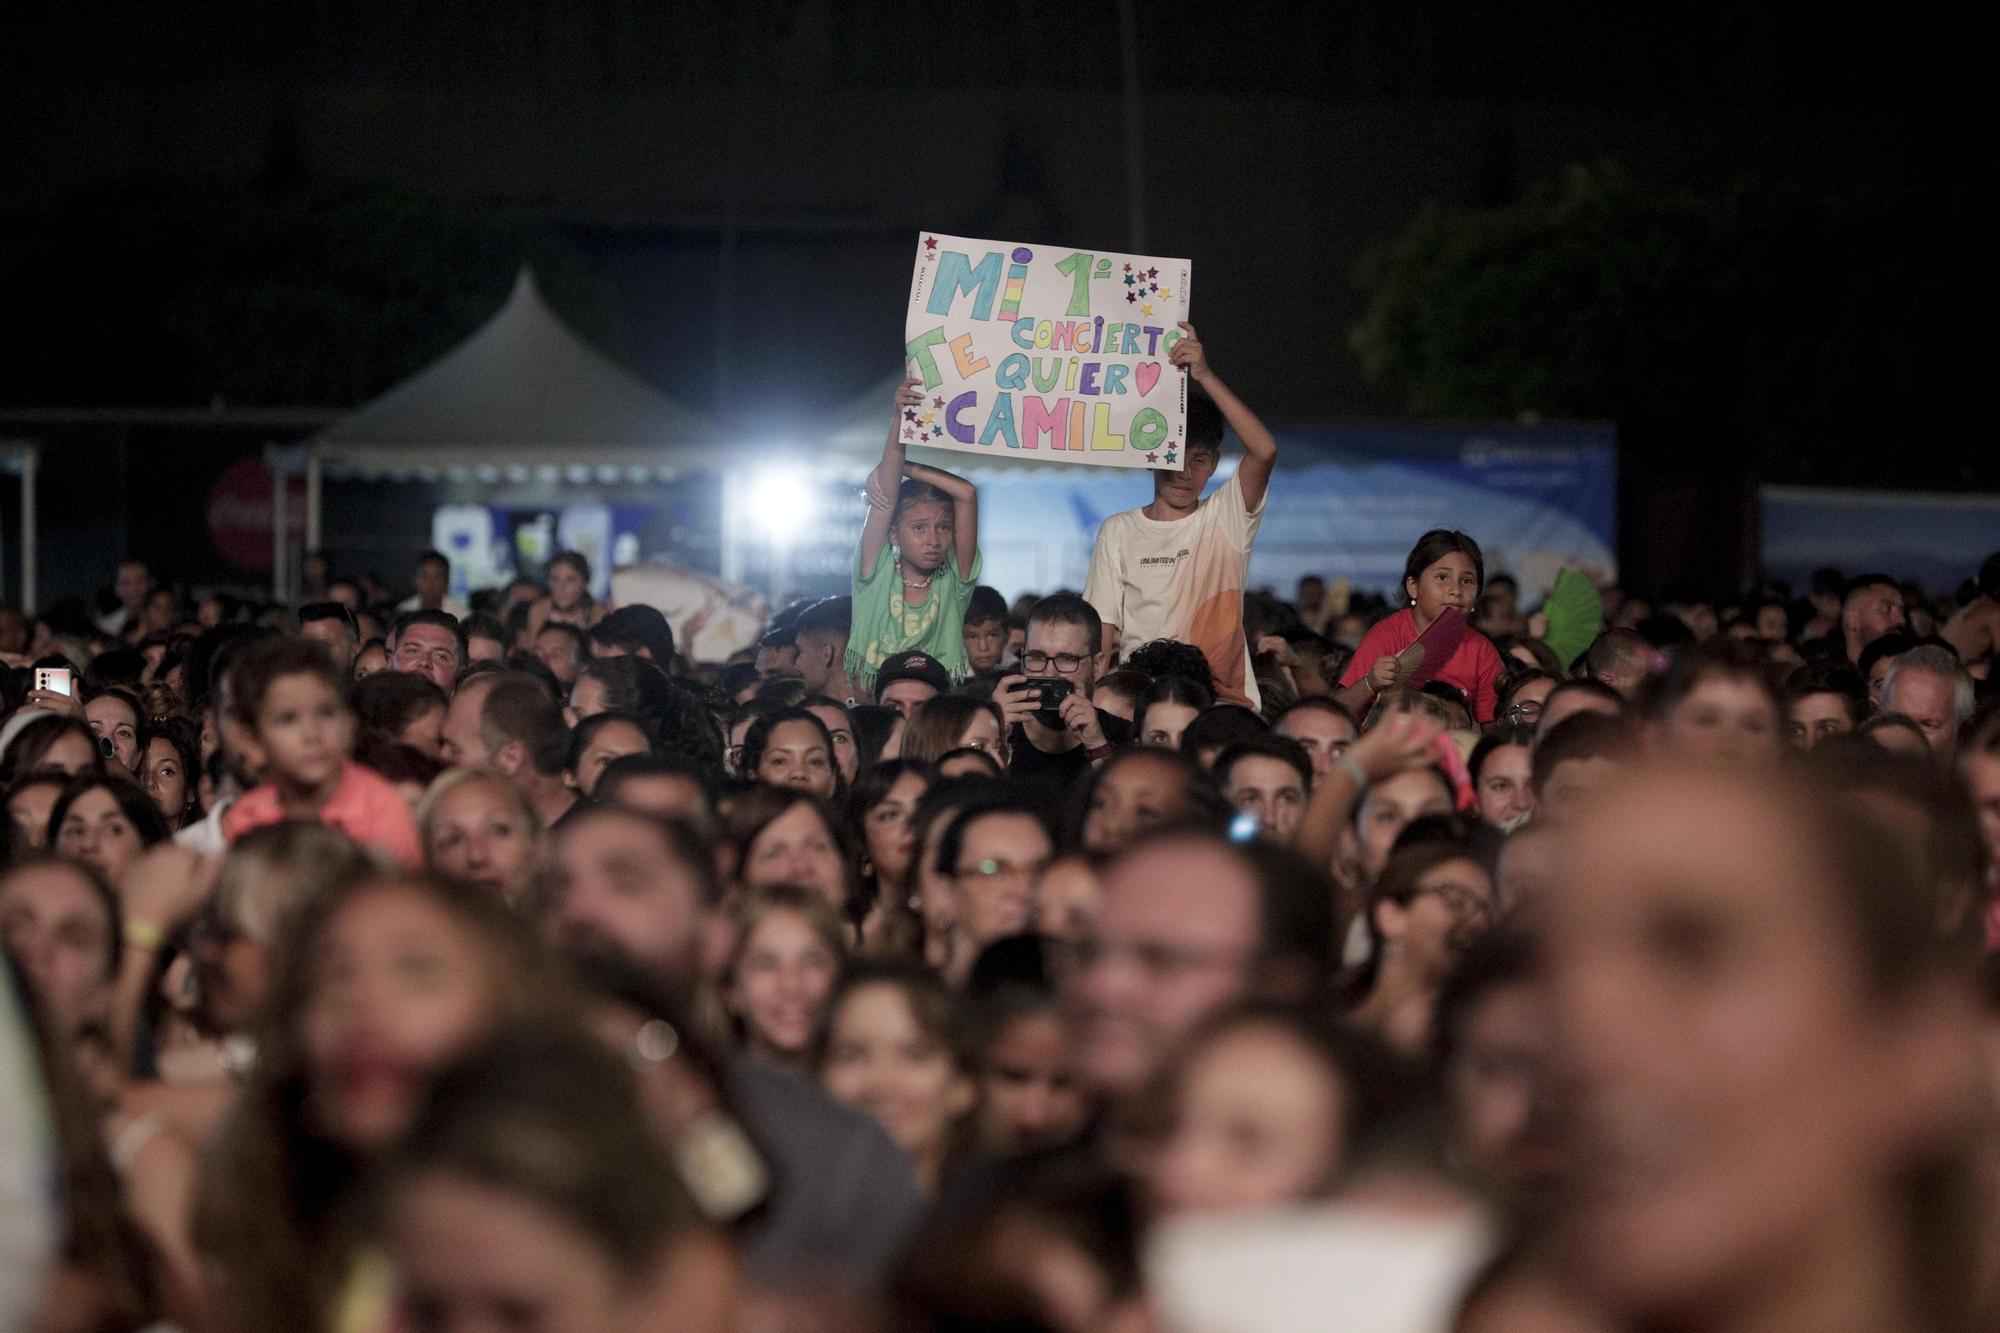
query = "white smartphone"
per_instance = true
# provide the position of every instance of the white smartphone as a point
(53, 679)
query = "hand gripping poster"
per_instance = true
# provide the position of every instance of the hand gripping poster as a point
(1047, 352)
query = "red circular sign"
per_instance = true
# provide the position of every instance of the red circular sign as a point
(239, 515)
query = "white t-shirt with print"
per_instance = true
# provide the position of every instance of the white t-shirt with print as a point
(1182, 579)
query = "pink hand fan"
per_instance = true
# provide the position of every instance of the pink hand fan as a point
(1421, 661)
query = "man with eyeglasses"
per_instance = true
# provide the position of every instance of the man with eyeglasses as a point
(995, 855)
(1056, 743)
(1189, 924)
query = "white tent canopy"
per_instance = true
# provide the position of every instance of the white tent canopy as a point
(524, 380)
(523, 396)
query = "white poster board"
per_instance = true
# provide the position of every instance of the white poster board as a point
(1047, 352)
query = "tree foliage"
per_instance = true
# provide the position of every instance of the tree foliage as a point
(1770, 336)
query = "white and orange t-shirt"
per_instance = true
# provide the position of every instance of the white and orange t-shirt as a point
(1182, 579)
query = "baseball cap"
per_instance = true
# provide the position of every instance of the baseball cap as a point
(913, 665)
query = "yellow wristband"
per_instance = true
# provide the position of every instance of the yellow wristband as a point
(144, 936)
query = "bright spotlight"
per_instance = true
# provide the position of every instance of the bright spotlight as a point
(781, 504)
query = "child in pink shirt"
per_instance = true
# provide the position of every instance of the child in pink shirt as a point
(290, 705)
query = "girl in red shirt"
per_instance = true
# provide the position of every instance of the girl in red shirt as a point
(1445, 568)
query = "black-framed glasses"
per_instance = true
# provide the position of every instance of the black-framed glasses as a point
(1066, 664)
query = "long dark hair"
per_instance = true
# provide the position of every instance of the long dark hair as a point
(874, 724)
(579, 562)
(1175, 689)
(38, 737)
(133, 802)
(763, 805)
(554, 1118)
(181, 734)
(275, 1205)
(935, 727)
(672, 714)
(1434, 546)
(870, 789)
(758, 739)
(1500, 738)
(99, 1234)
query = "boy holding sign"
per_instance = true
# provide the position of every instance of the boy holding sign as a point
(918, 562)
(1174, 569)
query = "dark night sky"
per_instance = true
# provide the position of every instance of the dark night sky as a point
(747, 178)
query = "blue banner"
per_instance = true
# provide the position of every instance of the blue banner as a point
(1348, 501)
(1937, 540)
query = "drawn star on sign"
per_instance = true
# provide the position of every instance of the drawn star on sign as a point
(929, 417)
(1130, 280)
(909, 414)
(1152, 458)
(937, 403)
(1152, 273)
(1128, 268)
(1166, 291)
(1130, 297)
(1146, 309)
(930, 242)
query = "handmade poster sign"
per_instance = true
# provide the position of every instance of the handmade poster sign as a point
(1046, 352)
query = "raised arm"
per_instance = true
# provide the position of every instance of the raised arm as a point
(1260, 447)
(885, 480)
(964, 511)
(1397, 744)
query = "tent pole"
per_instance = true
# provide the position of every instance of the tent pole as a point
(732, 528)
(278, 579)
(313, 538)
(30, 461)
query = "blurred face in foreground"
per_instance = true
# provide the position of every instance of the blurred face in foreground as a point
(1028, 1096)
(1497, 1084)
(1723, 717)
(1174, 941)
(58, 932)
(615, 886)
(1257, 1124)
(1388, 807)
(1136, 793)
(880, 1059)
(781, 983)
(398, 987)
(1740, 1099)
(473, 1256)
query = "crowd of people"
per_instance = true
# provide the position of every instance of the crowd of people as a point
(1163, 956)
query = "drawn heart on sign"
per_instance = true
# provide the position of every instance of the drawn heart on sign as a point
(1148, 375)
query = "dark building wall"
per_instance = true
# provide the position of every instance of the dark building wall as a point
(752, 175)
